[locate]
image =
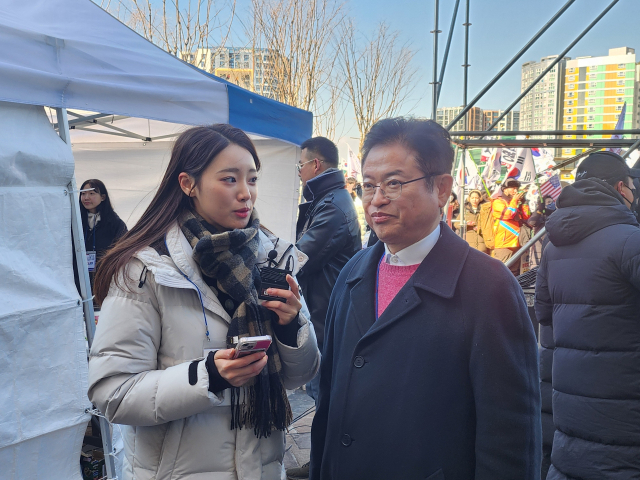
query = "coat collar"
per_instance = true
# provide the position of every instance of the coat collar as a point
(438, 274)
(319, 186)
(439, 271)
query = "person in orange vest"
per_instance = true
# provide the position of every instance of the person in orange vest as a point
(509, 211)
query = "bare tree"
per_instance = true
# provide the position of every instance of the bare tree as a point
(190, 29)
(298, 36)
(379, 73)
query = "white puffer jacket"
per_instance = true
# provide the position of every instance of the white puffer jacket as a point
(138, 372)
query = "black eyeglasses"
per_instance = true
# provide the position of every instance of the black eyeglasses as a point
(391, 189)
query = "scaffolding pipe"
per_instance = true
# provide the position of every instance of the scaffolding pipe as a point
(527, 246)
(631, 149)
(553, 64)
(513, 133)
(552, 143)
(509, 64)
(466, 57)
(446, 51)
(434, 94)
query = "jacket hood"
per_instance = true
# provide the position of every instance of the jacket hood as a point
(317, 187)
(584, 208)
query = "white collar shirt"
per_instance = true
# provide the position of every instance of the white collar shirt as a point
(413, 254)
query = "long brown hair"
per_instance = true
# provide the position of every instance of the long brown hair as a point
(192, 153)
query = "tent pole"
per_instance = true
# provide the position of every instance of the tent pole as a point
(85, 284)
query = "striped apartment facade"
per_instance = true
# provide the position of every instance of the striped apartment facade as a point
(595, 89)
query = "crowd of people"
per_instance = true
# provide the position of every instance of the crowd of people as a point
(500, 227)
(415, 371)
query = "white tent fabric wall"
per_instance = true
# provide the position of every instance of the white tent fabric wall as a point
(133, 170)
(43, 357)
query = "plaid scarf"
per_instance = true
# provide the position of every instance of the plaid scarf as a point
(228, 263)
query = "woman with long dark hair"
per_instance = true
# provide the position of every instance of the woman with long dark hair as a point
(178, 292)
(101, 225)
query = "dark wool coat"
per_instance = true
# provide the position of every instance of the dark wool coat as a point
(329, 233)
(444, 385)
(588, 288)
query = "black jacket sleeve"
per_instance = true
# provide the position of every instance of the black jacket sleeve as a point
(325, 236)
(504, 377)
(319, 427)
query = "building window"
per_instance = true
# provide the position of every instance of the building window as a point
(620, 82)
(593, 85)
(592, 109)
(622, 74)
(571, 94)
(619, 99)
(620, 91)
(593, 68)
(571, 86)
(569, 110)
(622, 66)
(591, 126)
(569, 119)
(572, 70)
(570, 103)
(592, 101)
(571, 78)
(591, 118)
(593, 76)
(618, 108)
(567, 151)
(569, 127)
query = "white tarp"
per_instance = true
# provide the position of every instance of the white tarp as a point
(43, 358)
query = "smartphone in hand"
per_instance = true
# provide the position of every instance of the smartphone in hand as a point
(248, 345)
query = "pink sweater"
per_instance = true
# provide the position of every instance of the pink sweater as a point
(391, 279)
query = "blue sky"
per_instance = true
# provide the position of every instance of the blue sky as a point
(500, 29)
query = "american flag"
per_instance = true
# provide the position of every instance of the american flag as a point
(551, 188)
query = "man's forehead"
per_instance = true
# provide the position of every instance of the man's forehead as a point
(387, 159)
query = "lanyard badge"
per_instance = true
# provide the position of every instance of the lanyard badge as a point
(91, 261)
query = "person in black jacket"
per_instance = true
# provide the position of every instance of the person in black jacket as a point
(101, 225)
(588, 289)
(328, 232)
(424, 375)
(327, 229)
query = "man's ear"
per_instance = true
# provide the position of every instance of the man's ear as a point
(187, 183)
(442, 185)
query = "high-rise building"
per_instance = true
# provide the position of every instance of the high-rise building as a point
(473, 121)
(541, 108)
(595, 90)
(509, 123)
(249, 68)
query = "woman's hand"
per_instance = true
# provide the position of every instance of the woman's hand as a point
(286, 311)
(239, 371)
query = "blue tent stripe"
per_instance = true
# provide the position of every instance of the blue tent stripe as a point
(260, 115)
(257, 114)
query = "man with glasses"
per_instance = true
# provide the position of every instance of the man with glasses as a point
(429, 369)
(588, 291)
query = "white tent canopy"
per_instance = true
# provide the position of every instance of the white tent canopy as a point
(71, 54)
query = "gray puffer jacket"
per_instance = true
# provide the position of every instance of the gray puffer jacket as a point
(138, 373)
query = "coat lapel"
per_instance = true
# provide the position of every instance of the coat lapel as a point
(438, 274)
(362, 294)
